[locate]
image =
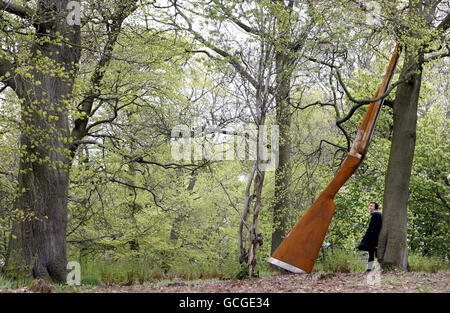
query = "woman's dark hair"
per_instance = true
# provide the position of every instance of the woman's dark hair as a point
(376, 204)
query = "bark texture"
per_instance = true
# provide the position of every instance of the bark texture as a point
(392, 244)
(280, 204)
(38, 244)
(39, 241)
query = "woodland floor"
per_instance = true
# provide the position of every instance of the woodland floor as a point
(384, 282)
(390, 282)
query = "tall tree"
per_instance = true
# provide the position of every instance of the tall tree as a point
(43, 81)
(420, 34)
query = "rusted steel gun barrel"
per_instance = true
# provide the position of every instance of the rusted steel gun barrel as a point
(298, 251)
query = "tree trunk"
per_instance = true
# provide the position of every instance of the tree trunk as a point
(243, 226)
(256, 240)
(280, 204)
(39, 238)
(392, 244)
(176, 224)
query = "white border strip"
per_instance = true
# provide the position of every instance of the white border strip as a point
(286, 266)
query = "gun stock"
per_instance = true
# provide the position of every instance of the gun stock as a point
(297, 253)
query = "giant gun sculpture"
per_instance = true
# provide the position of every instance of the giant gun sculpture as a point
(298, 251)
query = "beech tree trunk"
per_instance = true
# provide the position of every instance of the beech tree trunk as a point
(38, 244)
(280, 204)
(392, 244)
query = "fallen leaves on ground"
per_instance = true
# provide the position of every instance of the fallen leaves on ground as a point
(398, 282)
(375, 282)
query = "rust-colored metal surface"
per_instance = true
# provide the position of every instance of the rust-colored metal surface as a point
(298, 251)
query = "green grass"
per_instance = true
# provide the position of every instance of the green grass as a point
(100, 272)
(345, 261)
(4, 284)
(425, 289)
(427, 264)
(120, 272)
(140, 272)
(62, 288)
(340, 261)
(91, 280)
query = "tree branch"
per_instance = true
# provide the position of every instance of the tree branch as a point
(239, 23)
(191, 166)
(81, 124)
(18, 10)
(333, 144)
(7, 71)
(232, 58)
(322, 104)
(229, 197)
(347, 92)
(445, 24)
(437, 56)
(114, 236)
(141, 188)
(112, 118)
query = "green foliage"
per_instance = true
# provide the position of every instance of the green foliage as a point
(91, 280)
(427, 264)
(5, 283)
(14, 282)
(17, 270)
(350, 261)
(135, 271)
(243, 272)
(339, 261)
(429, 217)
(118, 272)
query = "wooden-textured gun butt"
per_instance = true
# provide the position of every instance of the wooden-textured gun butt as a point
(299, 250)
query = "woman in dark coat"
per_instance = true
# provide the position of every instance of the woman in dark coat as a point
(370, 239)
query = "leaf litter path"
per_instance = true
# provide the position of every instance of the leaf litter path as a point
(391, 282)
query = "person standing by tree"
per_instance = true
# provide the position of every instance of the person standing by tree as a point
(370, 239)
